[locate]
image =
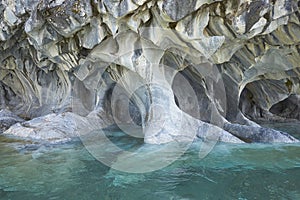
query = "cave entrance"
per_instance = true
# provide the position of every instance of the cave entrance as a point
(262, 100)
(288, 108)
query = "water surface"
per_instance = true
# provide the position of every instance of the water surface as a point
(69, 171)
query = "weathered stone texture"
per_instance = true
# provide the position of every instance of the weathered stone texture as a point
(240, 59)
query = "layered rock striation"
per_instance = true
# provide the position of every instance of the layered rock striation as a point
(175, 69)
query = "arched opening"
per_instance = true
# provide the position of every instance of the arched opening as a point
(288, 108)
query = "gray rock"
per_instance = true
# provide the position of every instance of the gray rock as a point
(258, 134)
(53, 127)
(10, 17)
(7, 119)
(229, 62)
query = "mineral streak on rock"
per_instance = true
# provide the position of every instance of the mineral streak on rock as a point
(60, 62)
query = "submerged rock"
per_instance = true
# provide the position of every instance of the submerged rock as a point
(175, 69)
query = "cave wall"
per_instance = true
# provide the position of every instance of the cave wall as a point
(241, 58)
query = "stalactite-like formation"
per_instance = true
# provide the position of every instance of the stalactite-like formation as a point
(184, 67)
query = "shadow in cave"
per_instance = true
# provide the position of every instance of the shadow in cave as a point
(288, 108)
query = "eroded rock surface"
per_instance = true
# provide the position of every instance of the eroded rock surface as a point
(176, 69)
(53, 127)
(7, 119)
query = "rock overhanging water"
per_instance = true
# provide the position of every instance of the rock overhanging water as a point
(183, 68)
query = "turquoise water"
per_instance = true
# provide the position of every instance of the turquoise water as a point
(69, 171)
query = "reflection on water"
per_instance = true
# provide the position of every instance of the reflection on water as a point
(68, 171)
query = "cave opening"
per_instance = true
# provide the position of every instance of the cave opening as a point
(126, 108)
(269, 100)
(288, 108)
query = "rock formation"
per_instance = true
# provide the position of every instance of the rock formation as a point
(176, 69)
